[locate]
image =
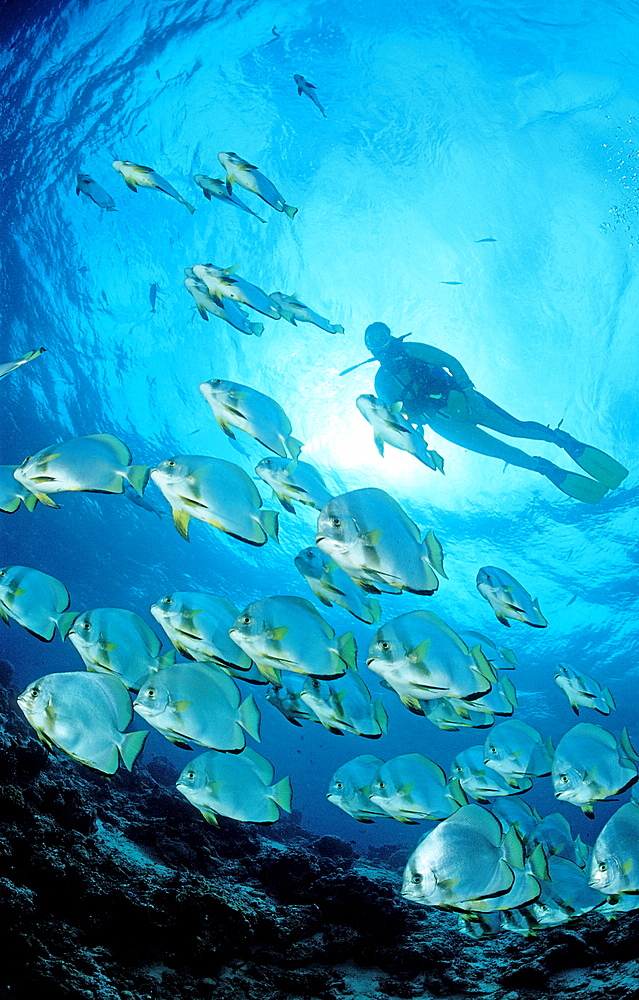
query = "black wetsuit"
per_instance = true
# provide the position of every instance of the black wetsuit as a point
(423, 387)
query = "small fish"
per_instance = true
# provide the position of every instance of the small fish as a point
(591, 764)
(296, 312)
(412, 788)
(345, 705)
(304, 87)
(614, 868)
(421, 658)
(564, 895)
(141, 501)
(11, 493)
(10, 366)
(287, 633)
(478, 781)
(331, 585)
(86, 185)
(392, 428)
(223, 308)
(507, 597)
(275, 34)
(98, 463)
(137, 175)
(450, 282)
(214, 188)
(583, 691)
(248, 176)
(198, 626)
(555, 836)
(238, 787)
(372, 539)
(153, 295)
(217, 492)
(466, 857)
(291, 480)
(198, 703)
(514, 749)
(286, 699)
(240, 406)
(85, 715)
(119, 642)
(36, 601)
(487, 239)
(350, 786)
(222, 283)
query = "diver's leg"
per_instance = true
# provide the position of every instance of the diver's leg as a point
(467, 435)
(593, 461)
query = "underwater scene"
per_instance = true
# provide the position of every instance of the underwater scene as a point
(318, 499)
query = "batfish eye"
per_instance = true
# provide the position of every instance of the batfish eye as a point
(339, 784)
(190, 775)
(382, 784)
(166, 600)
(603, 867)
(3, 572)
(170, 463)
(383, 644)
(246, 619)
(34, 692)
(335, 521)
(492, 750)
(215, 381)
(267, 462)
(416, 879)
(85, 625)
(563, 778)
(151, 693)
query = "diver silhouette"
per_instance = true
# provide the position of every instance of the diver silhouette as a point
(435, 389)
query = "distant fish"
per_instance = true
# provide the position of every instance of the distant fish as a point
(487, 239)
(142, 500)
(480, 782)
(85, 715)
(137, 175)
(296, 312)
(450, 282)
(36, 601)
(240, 787)
(304, 87)
(97, 463)
(10, 366)
(260, 416)
(345, 705)
(153, 295)
(275, 34)
(224, 308)
(224, 283)
(217, 492)
(293, 481)
(214, 188)
(248, 176)
(515, 749)
(508, 598)
(412, 788)
(349, 789)
(286, 698)
(583, 691)
(331, 585)
(86, 185)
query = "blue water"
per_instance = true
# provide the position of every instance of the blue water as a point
(447, 124)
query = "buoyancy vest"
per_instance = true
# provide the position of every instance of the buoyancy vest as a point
(422, 387)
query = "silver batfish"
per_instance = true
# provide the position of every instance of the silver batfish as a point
(508, 598)
(331, 585)
(239, 787)
(10, 366)
(217, 492)
(349, 788)
(345, 705)
(392, 428)
(36, 601)
(239, 171)
(117, 641)
(137, 175)
(614, 867)
(85, 715)
(297, 312)
(224, 283)
(412, 788)
(214, 188)
(198, 626)
(12, 493)
(293, 481)
(225, 309)
(583, 691)
(590, 764)
(86, 185)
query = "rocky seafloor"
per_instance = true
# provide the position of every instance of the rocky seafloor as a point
(114, 888)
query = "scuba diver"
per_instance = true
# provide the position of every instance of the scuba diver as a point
(435, 389)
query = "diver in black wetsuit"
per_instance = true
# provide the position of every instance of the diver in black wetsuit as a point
(435, 389)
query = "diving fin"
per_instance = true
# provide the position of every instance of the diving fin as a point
(573, 485)
(595, 462)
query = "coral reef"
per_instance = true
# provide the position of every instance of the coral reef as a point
(114, 888)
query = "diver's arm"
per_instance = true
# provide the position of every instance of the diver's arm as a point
(425, 352)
